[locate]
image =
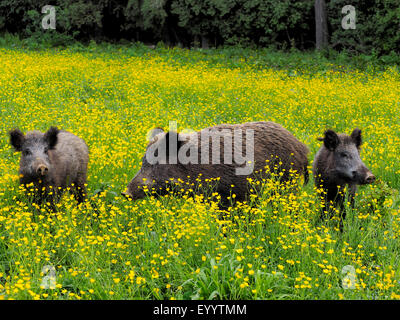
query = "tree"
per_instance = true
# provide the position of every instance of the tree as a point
(321, 25)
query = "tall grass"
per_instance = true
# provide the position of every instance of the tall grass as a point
(185, 247)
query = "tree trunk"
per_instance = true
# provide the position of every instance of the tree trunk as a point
(205, 42)
(196, 41)
(321, 25)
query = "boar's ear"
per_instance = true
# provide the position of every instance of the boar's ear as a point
(153, 132)
(17, 139)
(331, 140)
(50, 137)
(356, 136)
(172, 137)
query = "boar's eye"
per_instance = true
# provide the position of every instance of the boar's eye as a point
(27, 152)
(46, 150)
(344, 155)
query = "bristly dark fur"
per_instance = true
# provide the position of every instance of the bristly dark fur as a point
(270, 139)
(16, 139)
(63, 156)
(328, 168)
(51, 137)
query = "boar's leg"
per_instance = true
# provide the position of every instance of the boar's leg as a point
(50, 197)
(330, 199)
(80, 194)
(333, 199)
(352, 194)
(80, 190)
(339, 201)
(77, 187)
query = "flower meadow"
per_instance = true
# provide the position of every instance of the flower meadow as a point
(186, 247)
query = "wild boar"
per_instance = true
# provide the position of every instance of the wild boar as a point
(337, 164)
(226, 153)
(52, 161)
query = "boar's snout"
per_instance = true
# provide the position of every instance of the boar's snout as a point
(366, 177)
(42, 170)
(370, 178)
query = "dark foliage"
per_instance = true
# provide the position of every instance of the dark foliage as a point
(278, 24)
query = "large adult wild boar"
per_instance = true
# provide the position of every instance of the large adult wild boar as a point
(52, 161)
(337, 164)
(230, 152)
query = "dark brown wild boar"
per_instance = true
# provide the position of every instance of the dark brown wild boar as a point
(230, 152)
(337, 164)
(52, 161)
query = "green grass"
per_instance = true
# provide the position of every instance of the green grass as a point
(181, 247)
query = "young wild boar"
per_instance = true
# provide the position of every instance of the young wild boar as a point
(337, 164)
(53, 160)
(217, 152)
